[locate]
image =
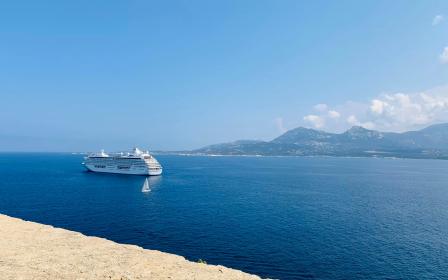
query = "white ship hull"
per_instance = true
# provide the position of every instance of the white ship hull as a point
(130, 171)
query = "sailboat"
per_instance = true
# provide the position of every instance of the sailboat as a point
(145, 187)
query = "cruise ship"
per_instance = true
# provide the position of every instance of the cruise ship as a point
(136, 162)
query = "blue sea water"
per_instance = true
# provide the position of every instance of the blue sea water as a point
(278, 217)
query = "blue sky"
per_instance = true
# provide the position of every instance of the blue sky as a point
(84, 75)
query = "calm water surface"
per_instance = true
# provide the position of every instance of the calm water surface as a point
(284, 218)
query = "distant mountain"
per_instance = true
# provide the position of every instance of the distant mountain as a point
(430, 142)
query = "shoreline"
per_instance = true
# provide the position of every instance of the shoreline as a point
(160, 153)
(302, 156)
(36, 251)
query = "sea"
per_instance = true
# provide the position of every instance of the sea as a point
(277, 217)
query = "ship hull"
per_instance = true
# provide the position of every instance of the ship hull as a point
(130, 171)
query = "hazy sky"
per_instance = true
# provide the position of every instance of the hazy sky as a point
(84, 75)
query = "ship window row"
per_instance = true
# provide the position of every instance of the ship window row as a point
(138, 163)
(123, 167)
(100, 166)
(130, 164)
(127, 160)
(113, 159)
(130, 161)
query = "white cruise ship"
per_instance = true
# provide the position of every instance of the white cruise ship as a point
(136, 162)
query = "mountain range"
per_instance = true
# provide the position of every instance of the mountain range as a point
(430, 142)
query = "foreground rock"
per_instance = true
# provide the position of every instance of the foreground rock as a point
(34, 251)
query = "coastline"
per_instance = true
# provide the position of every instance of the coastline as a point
(299, 156)
(35, 251)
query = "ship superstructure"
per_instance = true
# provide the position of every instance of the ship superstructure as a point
(136, 162)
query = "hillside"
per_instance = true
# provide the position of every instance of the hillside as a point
(430, 142)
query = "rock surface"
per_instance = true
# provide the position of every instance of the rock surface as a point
(34, 251)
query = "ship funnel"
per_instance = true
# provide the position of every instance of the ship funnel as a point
(136, 151)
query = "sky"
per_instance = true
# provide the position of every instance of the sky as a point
(176, 75)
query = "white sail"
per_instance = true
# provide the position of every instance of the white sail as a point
(145, 187)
